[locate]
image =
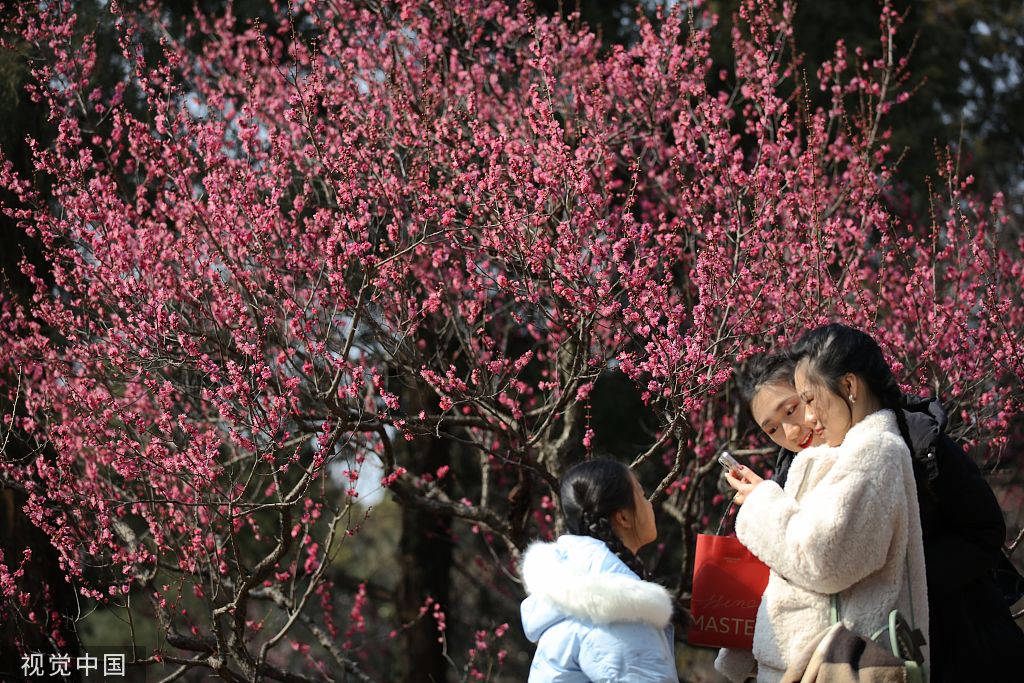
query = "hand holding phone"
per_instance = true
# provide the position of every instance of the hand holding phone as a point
(739, 477)
(728, 462)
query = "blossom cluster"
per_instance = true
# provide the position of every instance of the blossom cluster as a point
(307, 244)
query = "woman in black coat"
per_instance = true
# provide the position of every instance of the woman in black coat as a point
(972, 636)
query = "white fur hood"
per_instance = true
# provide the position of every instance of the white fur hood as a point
(578, 577)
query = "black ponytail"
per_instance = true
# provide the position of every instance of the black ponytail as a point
(592, 492)
(833, 350)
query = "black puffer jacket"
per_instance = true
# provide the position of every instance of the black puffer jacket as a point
(971, 634)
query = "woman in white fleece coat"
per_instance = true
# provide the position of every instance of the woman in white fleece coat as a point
(846, 522)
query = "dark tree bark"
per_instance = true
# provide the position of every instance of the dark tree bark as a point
(42, 569)
(426, 556)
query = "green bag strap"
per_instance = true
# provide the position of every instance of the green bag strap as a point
(834, 607)
(915, 672)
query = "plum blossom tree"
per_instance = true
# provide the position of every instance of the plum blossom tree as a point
(416, 234)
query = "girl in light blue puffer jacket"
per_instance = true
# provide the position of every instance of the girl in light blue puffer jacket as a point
(592, 616)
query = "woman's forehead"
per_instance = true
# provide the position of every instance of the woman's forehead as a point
(770, 398)
(775, 390)
(800, 376)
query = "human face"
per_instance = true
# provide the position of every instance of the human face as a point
(636, 527)
(825, 410)
(778, 410)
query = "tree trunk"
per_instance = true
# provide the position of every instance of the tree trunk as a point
(42, 572)
(426, 556)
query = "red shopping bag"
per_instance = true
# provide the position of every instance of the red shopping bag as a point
(728, 582)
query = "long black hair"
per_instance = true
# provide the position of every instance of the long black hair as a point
(833, 350)
(767, 368)
(592, 492)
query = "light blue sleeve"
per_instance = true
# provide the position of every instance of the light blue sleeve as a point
(558, 654)
(635, 653)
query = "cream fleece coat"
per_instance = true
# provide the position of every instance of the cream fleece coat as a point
(846, 523)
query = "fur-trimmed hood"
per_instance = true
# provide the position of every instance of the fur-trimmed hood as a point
(578, 577)
(592, 618)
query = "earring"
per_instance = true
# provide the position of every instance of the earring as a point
(852, 399)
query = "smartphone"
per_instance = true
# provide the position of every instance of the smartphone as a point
(728, 462)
